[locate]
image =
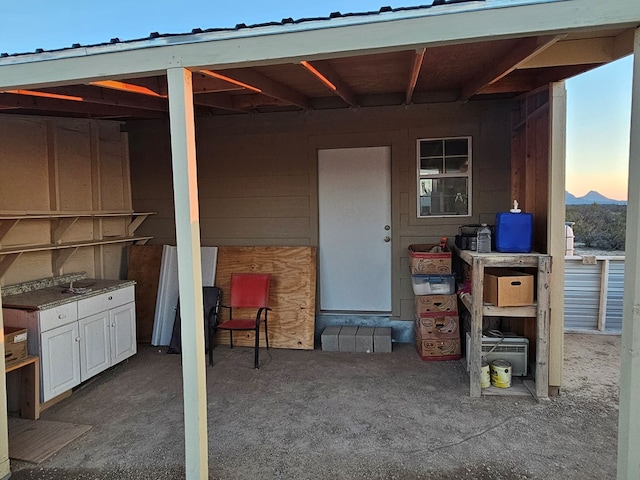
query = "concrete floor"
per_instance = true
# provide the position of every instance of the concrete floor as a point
(313, 414)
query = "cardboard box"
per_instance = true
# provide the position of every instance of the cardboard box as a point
(427, 305)
(437, 327)
(438, 349)
(422, 261)
(15, 345)
(507, 288)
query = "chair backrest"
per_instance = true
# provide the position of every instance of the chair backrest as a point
(211, 302)
(249, 290)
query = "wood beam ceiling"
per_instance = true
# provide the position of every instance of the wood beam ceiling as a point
(323, 72)
(524, 50)
(414, 73)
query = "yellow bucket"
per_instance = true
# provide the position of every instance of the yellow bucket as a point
(485, 379)
(501, 374)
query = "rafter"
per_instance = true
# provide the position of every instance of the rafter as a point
(260, 83)
(218, 100)
(323, 72)
(84, 109)
(418, 59)
(107, 96)
(523, 51)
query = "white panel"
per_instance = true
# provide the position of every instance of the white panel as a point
(58, 316)
(167, 298)
(354, 190)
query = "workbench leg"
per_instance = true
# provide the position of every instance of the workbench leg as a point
(542, 328)
(30, 390)
(475, 349)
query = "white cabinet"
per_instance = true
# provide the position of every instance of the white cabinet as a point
(79, 339)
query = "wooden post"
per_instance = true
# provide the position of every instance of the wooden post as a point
(629, 416)
(556, 241)
(5, 470)
(475, 352)
(542, 327)
(185, 186)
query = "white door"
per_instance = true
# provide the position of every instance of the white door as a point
(95, 352)
(354, 201)
(60, 360)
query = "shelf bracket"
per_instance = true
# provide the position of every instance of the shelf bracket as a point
(64, 224)
(6, 226)
(135, 223)
(60, 257)
(7, 261)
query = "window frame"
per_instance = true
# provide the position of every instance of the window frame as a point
(434, 176)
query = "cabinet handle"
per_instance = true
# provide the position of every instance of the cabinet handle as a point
(61, 316)
(77, 339)
(110, 298)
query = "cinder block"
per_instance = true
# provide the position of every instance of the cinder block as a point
(382, 340)
(347, 339)
(329, 338)
(364, 339)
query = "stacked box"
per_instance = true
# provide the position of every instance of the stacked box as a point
(437, 325)
(15, 345)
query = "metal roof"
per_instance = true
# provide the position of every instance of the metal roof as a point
(284, 22)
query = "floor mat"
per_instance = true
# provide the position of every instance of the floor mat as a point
(36, 440)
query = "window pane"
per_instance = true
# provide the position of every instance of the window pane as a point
(432, 148)
(444, 196)
(456, 147)
(456, 164)
(429, 166)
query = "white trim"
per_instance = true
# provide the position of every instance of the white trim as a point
(317, 40)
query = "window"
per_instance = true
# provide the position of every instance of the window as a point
(444, 177)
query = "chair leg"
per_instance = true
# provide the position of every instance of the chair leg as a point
(210, 333)
(257, 348)
(266, 333)
(231, 338)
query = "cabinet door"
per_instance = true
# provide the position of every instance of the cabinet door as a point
(95, 350)
(123, 332)
(60, 361)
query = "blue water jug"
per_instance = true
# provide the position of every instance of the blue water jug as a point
(514, 232)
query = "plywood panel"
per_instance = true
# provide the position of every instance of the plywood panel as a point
(144, 268)
(292, 291)
(24, 183)
(73, 151)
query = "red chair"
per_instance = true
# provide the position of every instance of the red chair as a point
(248, 290)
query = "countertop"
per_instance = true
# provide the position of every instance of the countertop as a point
(53, 296)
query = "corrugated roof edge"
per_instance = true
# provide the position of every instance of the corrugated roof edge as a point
(240, 26)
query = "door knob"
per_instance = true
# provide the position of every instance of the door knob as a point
(387, 227)
(387, 239)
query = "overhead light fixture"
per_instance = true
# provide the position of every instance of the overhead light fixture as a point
(322, 78)
(126, 87)
(36, 93)
(230, 80)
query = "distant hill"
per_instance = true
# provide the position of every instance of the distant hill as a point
(591, 197)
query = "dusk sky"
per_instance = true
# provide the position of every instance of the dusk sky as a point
(598, 101)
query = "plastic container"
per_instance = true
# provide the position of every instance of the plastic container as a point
(433, 284)
(484, 239)
(514, 232)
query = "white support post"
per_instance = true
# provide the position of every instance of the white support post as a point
(629, 415)
(185, 187)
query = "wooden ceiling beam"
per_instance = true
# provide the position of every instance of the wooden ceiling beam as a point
(522, 52)
(205, 84)
(85, 109)
(323, 71)
(414, 73)
(262, 84)
(105, 96)
(221, 101)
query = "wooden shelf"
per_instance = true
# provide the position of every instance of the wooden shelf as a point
(478, 309)
(65, 220)
(489, 310)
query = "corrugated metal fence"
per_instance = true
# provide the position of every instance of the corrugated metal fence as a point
(593, 288)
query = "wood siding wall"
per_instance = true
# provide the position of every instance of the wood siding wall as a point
(258, 174)
(64, 165)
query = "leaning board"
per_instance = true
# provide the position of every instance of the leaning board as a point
(292, 292)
